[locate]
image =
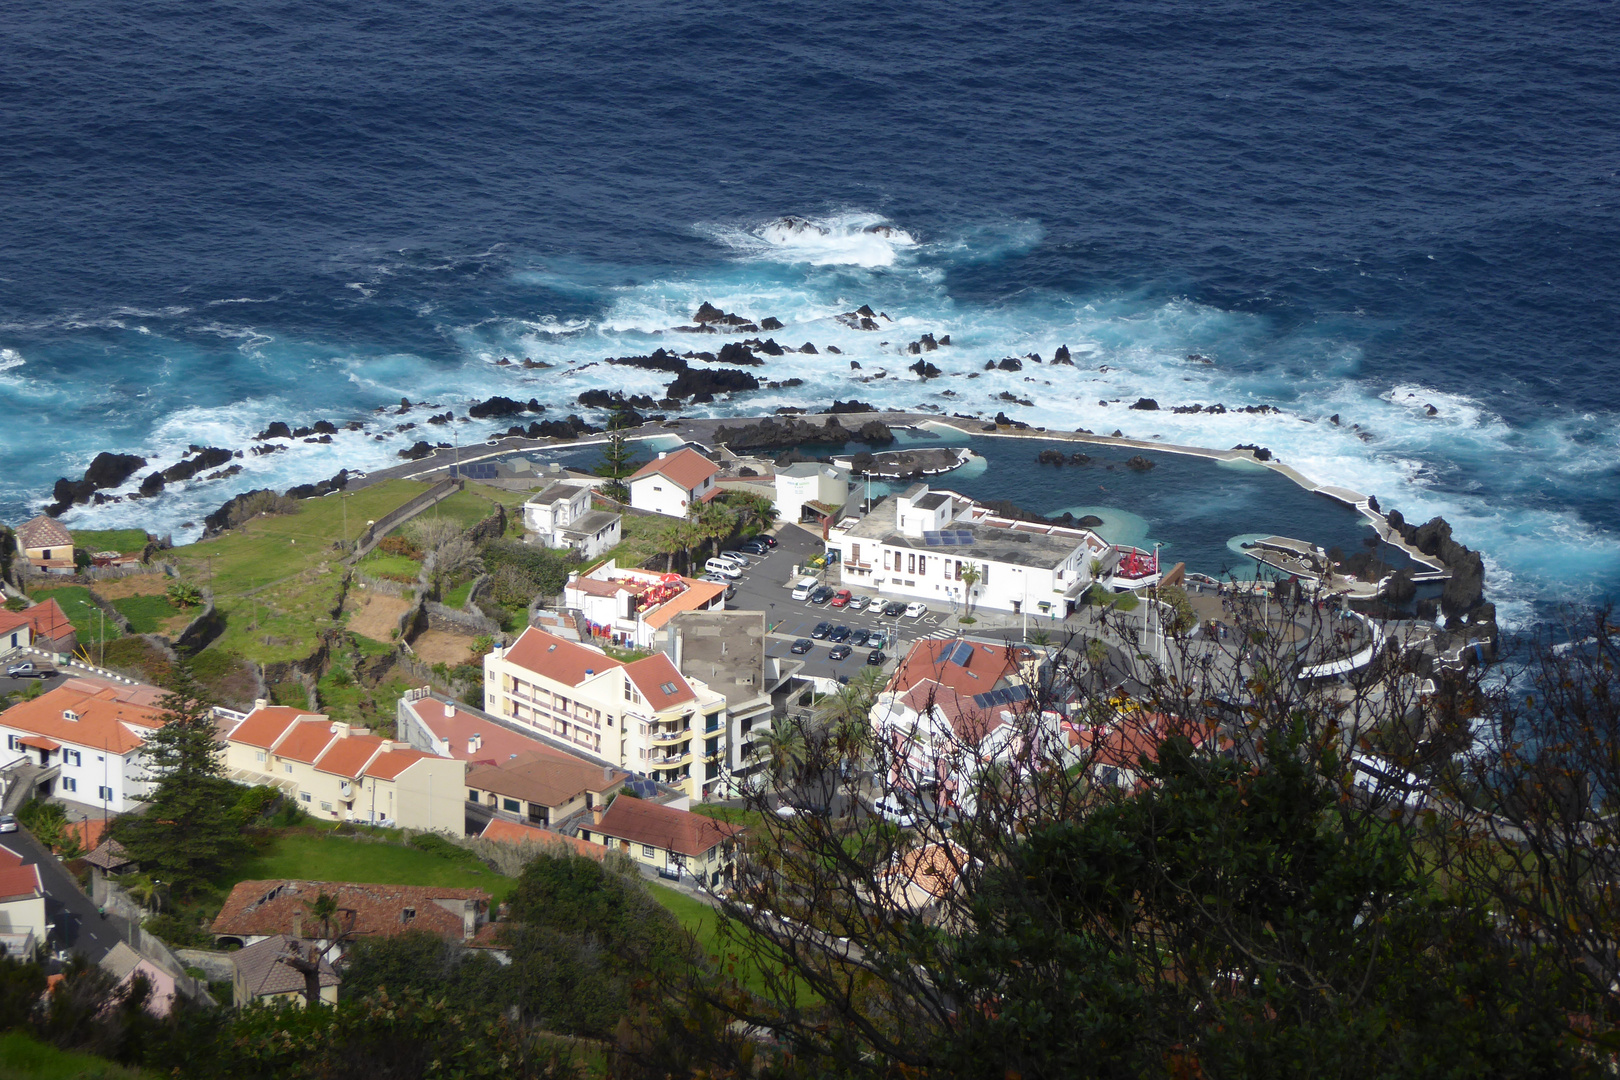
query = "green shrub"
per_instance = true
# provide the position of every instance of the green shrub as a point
(436, 845)
(179, 931)
(256, 802)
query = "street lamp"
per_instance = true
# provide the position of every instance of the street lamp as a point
(103, 615)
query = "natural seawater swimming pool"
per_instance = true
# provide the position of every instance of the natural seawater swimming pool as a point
(1197, 509)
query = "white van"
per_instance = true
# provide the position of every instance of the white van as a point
(723, 567)
(892, 810)
(804, 588)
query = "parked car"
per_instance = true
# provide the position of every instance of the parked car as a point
(29, 669)
(804, 588)
(822, 595)
(767, 539)
(839, 652)
(916, 610)
(893, 609)
(860, 637)
(716, 579)
(802, 646)
(857, 603)
(822, 630)
(839, 633)
(8, 823)
(737, 557)
(723, 567)
(875, 658)
(753, 547)
(841, 598)
(894, 811)
(878, 639)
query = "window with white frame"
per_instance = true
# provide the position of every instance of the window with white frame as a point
(72, 757)
(69, 784)
(647, 850)
(303, 796)
(105, 794)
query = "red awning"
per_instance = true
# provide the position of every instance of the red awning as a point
(39, 742)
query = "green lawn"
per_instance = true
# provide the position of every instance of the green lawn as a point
(326, 856)
(146, 614)
(22, 1058)
(276, 578)
(75, 602)
(468, 506)
(122, 541)
(381, 564)
(457, 596)
(703, 923)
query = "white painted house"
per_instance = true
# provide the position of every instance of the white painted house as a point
(561, 517)
(673, 481)
(90, 737)
(918, 546)
(22, 905)
(809, 482)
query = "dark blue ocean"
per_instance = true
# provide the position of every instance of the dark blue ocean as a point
(213, 215)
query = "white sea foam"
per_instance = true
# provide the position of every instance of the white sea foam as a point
(1497, 483)
(852, 238)
(11, 358)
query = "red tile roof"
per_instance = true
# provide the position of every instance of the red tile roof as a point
(1123, 743)
(104, 721)
(986, 665)
(43, 531)
(20, 883)
(557, 658)
(388, 766)
(266, 724)
(680, 831)
(306, 741)
(262, 908)
(651, 674)
(552, 779)
(44, 620)
(347, 757)
(496, 743)
(686, 467)
(510, 832)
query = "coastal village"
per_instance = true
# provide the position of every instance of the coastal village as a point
(506, 654)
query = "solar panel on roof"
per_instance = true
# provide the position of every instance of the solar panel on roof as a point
(964, 536)
(948, 539)
(961, 654)
(931, 539)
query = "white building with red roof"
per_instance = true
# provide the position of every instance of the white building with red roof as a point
(89, 738)
(629, 607)
(643, 716)
(338, 772)
(44, 626)
(956, 704)
(673, 481)
(22, 905)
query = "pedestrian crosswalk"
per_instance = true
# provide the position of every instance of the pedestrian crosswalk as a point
(938, 634)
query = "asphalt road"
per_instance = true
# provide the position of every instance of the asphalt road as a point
(8, 686)
(78, 926)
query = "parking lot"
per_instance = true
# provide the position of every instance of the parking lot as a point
(767, 586)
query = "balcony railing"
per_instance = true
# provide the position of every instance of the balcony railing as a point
(663, 736)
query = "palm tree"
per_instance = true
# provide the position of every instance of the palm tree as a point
(144, 890)
(848, 713)
(783, 741)
(970, 578)
(325, 909)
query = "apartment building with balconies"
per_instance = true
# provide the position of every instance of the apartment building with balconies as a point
(644, 716)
